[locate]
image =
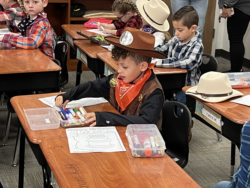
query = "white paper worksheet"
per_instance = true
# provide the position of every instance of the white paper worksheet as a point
(98, 32)
(94, 139)
(4, 31)
(243, 100)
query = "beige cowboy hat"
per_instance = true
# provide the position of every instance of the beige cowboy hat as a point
(155, 12)
(213, 87)
(136, 41)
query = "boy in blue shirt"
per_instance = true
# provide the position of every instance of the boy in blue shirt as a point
(185, 49)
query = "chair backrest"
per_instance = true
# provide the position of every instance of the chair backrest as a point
(61, 51)
(175, 130)
(209, 63)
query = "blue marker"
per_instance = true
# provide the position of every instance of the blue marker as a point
(63, 112)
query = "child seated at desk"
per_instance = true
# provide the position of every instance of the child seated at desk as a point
(128, 15)
(185, 49)
(12, 15)
(134, 90)
(36, 30)
(154, 14)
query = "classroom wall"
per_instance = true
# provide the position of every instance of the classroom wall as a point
(221, 41)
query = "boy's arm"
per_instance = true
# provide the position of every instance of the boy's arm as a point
(194, 56)
(97, 88)
(148, 114)
(164, 48)
(36, 38)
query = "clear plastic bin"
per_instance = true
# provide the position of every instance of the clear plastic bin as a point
(145, 140)
(239, 79)
(42, 118)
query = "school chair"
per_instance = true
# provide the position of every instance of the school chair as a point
(175, 131)
(209, 63)
(61, 51)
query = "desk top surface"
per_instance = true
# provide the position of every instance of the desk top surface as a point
(114, 169)
(25, 61)
(3, 26)
(107, 58)
(235, 112)
(31, 101)
(71, 29)
(90, 48)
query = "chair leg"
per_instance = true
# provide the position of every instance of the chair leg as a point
(5, 139)
(2, 98)
(17, 148)
(46, 179)
(219, 136)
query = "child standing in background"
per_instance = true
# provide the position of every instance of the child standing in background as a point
(12, 15)
(154, 14)
(128, 15)
(36, 30)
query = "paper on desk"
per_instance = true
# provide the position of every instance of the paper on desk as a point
(242, 100)
(98, 32)
(4, 31)
(50, 101)
(94, 139)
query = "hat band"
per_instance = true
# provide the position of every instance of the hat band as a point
(150, 18)
(204, 95)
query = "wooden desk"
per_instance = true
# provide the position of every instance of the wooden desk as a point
(164, 75)
(3, 26)
(233, 116)
(87, 54)
(22, 70)
(98, 169)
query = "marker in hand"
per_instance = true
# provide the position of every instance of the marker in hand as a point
(102, 28)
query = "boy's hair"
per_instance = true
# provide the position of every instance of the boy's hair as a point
(118, 53)
(188, 15)
(124, 6)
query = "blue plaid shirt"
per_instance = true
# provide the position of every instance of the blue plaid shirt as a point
(241, 177)
(184, 56)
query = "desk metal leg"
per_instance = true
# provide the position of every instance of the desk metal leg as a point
(232, 159)
(78, 72)
(21, 159)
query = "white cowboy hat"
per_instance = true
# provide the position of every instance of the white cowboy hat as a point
(213, 87)
(155, 12)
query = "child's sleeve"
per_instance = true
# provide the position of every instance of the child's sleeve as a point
(36, 38)
(97, 88)
(148, 114)
(8, 14)
(188, 62)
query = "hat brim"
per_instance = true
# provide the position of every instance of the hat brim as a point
(191, 91)
(149, 53)
(164, 27)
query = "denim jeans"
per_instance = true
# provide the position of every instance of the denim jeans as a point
(223, 184)
(199, 5)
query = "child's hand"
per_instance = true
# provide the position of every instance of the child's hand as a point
(1, 38)
(101, 25)
(90, 118)
(107, 31)
(59, 102)
(15, 34)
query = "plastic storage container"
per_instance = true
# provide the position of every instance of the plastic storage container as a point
(145, 140)
(239, 79)
(42, 118)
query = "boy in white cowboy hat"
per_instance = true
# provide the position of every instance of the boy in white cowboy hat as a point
(154, 14)
(134, 90)
(185, 49)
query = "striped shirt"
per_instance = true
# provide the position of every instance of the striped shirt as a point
(38, 35)
(184, 56)
(12, 17)
(241, 177)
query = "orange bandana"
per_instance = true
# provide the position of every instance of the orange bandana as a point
(126, 92)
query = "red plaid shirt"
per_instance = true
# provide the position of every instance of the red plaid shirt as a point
(134, 22)
(12, 17)
(39, 35)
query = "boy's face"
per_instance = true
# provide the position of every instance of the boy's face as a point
(129, 70)
(34, 7)
(182, 32)
(5, 4)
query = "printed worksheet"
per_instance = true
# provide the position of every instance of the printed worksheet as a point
(94, 139)
(243, 100)
(98, 32)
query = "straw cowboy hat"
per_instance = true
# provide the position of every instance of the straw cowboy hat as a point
(136, 41)
(213, 87)
(155, 12)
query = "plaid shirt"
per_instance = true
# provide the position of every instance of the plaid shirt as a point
(134, 22)
(241, 177)
(12, 17)
(39, 35)
(184, 56)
